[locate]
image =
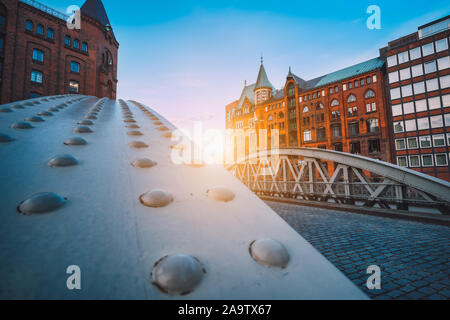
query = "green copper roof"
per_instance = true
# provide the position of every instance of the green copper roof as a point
(349, 72)
(263, 80)
(248, 93)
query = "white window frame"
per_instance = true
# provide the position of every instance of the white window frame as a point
(412, 138)
(432, 160)
(436, 162)
(397, 147)
(418, 158)
(440, 137)
(406, 161)
(430, 140)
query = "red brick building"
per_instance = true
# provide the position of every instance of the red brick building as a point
(344, 111)
(418, 84)
(41, 56)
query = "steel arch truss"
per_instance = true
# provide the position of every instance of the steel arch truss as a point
(336, 177)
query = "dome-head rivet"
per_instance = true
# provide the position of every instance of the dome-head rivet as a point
(132, 126)
(90, 117)
(35, 119)
(53, 110)
(270, 253)
(65, 160)
(45, 114)
(4, 138)
(41, 203)
(177, 274)
(22, 126)
(86, 123)
(6, 110)
(138, 145)
(143, 163)
(135, 133)
(77, 141)
(156, 199)
(163, 128)
(83, 129)
(222, 194)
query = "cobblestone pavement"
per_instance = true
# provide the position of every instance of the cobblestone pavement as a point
(414, 257)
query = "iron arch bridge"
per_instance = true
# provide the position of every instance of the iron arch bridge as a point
(336, 177)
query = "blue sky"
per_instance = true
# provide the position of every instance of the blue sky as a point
(188, 59)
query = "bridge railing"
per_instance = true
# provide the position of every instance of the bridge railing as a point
(301, 173)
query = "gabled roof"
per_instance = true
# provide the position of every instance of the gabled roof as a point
(263, 80)
(95, 10)
(248, 93)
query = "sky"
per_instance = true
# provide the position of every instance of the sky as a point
(188, 59)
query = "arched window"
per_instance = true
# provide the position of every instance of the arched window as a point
(270, 118)
(40, 29)
(84, 47)
(370, 94)
(305, 109)
(50, 33)
(334, 103)
(281, 115)
(76, 44)
(29, 26)
(291, 90)
(319, 106)
(351, 98)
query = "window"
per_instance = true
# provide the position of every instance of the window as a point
(399, 127)
(374, 146)
(356, 84)
(305, 109)
(400, 144)
(392, 61)
(50, 33)
(40, 29)
(336, 131)
(321, 134)
(430, 67)
(412, 143)
(428, 49)
(334, 103)
(408, 107)
(407, 91)
(427, 160)
(410, 125)
(417, 70)
(370, 94)
(362, 82)
(38, 55)
(353, 129)
(414, 161)
(351, 98)
(434, 103)
(415, 53)
(338, 147)
(355, 147)
(441, 160)
(320, 118)
(405, 74)
(74, 86)
(76, 44)
(439, 140)
(403, 57)
(84, 47)
(29, 26)
(393, 77)
(291, 90)
(421, 105)
(423, 124)
(368, 80)
(335, 115)
(307, 136)
(436, 122)
(395, 93)
(331, 90)
(448, 139)
(372, 125)
(67, 41)
(441, 45)
(1, 44)
(425, 142)
(36, 76)
(419, 87)
(447, 120)
(336, 89)
(74, 66)
(444, 63)
(350, 85)
(319, 106)
(445, 81)
(397, 110)
(432, 85)
(402, 161)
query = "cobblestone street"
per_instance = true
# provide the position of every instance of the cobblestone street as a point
(414, 257)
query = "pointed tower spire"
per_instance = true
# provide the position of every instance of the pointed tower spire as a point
(96, 10)
(263, 80)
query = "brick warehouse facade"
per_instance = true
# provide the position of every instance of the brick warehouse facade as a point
(349, 110)
(40, 56)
